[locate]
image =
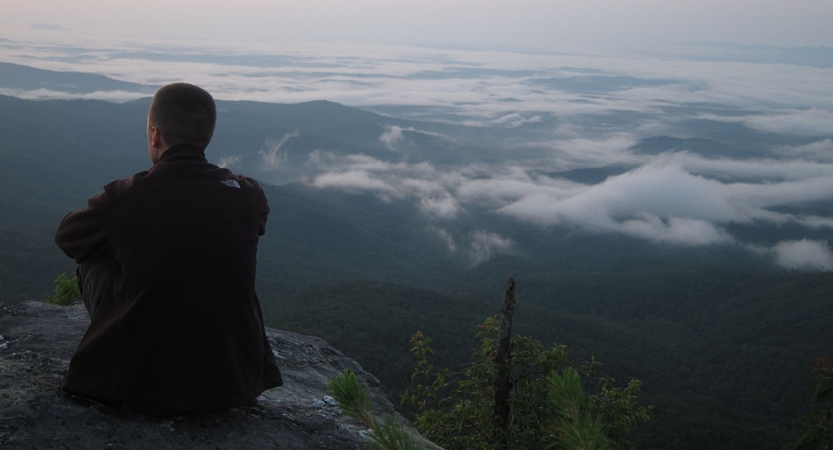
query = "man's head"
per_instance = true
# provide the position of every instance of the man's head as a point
(181, 113)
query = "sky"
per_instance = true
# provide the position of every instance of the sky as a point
(604, 73)
(544, 25)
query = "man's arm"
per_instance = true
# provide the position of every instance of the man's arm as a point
(264, 209)
(261, 199)
(83, 233)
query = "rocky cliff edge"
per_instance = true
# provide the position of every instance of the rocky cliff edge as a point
(38, 339)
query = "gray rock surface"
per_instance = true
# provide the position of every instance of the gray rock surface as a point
(38, 340)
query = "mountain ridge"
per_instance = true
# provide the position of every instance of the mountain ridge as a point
(21, 78)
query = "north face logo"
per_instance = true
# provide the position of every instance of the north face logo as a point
(231, 183)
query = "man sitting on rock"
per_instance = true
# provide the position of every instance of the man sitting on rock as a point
(166, 263)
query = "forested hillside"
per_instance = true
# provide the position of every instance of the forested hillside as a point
(724, 357)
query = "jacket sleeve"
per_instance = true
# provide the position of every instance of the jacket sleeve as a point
(262, 201)
(83, 233)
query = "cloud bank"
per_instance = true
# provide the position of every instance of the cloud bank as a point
(763, 132)
(661, 201)
(804, 255)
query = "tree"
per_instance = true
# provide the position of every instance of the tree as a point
(550, 406)
(814, 431)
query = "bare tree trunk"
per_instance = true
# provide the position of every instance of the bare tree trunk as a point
(503, 363)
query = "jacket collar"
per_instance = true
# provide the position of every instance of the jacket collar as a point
(183, 152)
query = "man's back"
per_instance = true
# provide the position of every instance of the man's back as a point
(179, 326)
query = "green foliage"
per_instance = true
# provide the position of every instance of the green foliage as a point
(574, 426)
(66, 290)
(617, 408)
(815, 429)
(549, 406)
(387, 434)
(594, 422)
(351, 397)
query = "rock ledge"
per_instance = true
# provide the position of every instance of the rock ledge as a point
(38, 339)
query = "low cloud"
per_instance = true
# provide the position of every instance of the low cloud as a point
(47, 94)
(803, 255)
(772, 170)
(272, 156)
(661, 201)
(664, 203)
(514, 120)
(395, 135)
(421, 182)
(815, 221)
(392, 136)
(821, 151)
(443, 207)
(356, 180)
(812, 122)
(228, 161)
(809, 122)
(485, 244)
(613, 149)
(482, 245)
(675, 230)
(445, 236)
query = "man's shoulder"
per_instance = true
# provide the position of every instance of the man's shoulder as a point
(122, 185)
(237, 181)
(208, 177)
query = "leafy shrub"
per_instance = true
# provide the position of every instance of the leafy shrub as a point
(66, 290)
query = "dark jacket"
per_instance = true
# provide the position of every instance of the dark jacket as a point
(179, 327)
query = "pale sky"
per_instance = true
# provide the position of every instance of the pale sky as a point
(549, 25)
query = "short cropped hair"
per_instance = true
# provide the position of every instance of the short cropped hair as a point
(183, 114)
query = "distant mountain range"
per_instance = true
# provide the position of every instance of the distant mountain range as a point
(732, 51)
(58, 153)
(15, 77)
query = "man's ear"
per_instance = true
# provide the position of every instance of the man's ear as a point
(155, 138)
